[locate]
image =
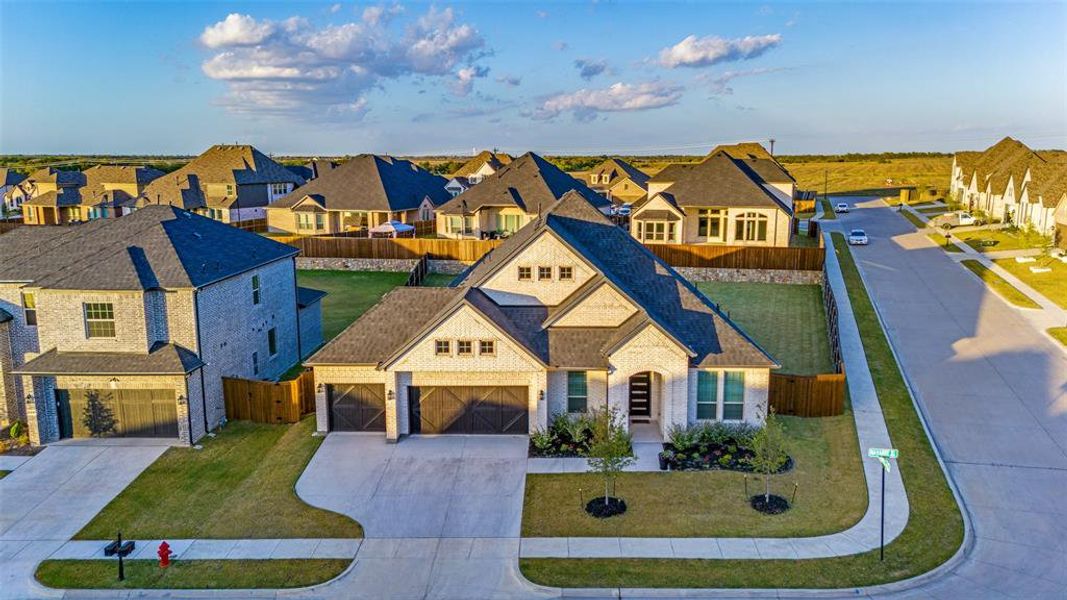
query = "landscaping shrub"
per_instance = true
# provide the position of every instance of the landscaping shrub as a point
(568, 435)
(713, 445)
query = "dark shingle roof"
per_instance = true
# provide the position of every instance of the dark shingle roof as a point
(617, 167)
(306, 296)
(721, 181)
(530, 183)
(496, 160)
(182, 190)
(10, 177)
(161, 359)
(657, 215)
(122, 174)
(743, 150)
(372, 183)
(672, 172)
(386, 326)
(5, 316)
(64, 196)
(57, 176)
(153, 247)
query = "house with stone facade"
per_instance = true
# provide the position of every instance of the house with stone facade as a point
(143, 316)
(570, 314)
(619, 181)
(745, 201)
(1011, 183)
(228, 183)
(359, 194)
(507, 200)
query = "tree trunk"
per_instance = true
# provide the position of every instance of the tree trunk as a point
(767, 492)
(606, 484)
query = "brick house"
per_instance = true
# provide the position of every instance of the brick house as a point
(145, 314)
(228, 183)
(567, 315)
(361, 193)
(745, 200)
(619, 181)
(510, 198)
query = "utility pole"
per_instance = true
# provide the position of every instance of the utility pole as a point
(772, 146)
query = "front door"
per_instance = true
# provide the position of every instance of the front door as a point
(641, 395)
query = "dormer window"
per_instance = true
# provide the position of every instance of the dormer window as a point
(544, 273)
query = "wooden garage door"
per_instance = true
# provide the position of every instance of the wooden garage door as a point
(474, 409)
(135, 413)
(356, 407)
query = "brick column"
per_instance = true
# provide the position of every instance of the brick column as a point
(41, 414)
(392, 421)
(322, 407)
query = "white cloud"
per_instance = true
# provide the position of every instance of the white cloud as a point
(584, 104)
(336, 8)
(236, 30)
(465, 79)
(710, 50)
(291, 66)
(589, 68)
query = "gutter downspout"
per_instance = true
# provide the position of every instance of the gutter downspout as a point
(296, 304)
(200, 354)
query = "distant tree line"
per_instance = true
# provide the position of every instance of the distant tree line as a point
(857, 157)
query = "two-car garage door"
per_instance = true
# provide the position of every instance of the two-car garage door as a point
(433, 409)
(119, 413)
(469, 409)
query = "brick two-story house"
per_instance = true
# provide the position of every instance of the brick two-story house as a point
(569, 314)
(144, 314)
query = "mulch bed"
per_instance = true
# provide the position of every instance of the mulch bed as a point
(708, 457)
(601, 510)
(776, 506)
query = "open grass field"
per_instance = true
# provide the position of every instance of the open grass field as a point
(871, 176)
(240, 485)
(933, 534)
(831, 494)
(999, 285)
(189, 574)
(998, 240)
(350, 293)
(1052, 285)
(788, 321)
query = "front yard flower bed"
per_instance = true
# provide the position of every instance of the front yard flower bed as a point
(710, 446)
(568, 436)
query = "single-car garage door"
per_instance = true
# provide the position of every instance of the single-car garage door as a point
(356, 407)
(120, 413)
(469, 409)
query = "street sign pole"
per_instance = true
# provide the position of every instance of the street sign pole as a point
(881, 539)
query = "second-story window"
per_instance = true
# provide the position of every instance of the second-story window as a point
(544, 273)
(255, 289)
(487, 348)
(525, 273)
(29, 308)
(272, 341)
(442, 347)
(465, 348)
(100, 319)
(566, 273)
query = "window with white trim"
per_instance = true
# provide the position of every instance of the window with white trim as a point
(707, 394)
(487, 348)
(566, 273)
(99, 319)
(577, 391)
(733, 396)
(29, 308)
(442, 347)
(525, 273)
(544, 273)
(255, 289)
(751, 227)
(464, 348)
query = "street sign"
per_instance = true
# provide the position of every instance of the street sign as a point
(883, 452)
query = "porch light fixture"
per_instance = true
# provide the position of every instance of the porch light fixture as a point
(182, 400)
(321, 388)
(391, 395)
(113, 383)
(540, 397)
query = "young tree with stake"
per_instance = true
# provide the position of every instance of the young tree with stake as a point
(768, 447)
(610, 451)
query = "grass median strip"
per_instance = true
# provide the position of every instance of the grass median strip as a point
(828, 213)
(933, 534)
(999, 285)
(1051, 284)
(915, 220)
(240, 485)
(943, 243)
(189, 574)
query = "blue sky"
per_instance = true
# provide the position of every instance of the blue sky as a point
(568, 77)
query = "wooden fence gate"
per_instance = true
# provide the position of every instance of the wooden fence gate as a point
(820, 395)
(267, 401)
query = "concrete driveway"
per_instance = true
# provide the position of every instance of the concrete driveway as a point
(994, 390)
(50, 497)
(453, 486)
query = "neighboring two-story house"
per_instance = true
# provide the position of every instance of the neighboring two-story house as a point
(46, 193)
(619, 181)
(228, 182)
(570, 314)
(510, 198)
(359, 194)
(9, 179)
(484, 164)
(143, 316)
(99, 192)
(721, 200)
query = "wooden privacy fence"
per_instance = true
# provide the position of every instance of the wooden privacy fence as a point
(256, 225)
(6, 226)
(676, 255)
(803, 206)
(740, 257)
(269, 402)
(820, 395)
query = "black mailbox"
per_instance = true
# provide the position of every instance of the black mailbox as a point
(111, 549)
(126, 548)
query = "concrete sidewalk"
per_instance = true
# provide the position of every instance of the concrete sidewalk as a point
(218, 549)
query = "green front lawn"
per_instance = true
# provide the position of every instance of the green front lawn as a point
(934, 210)
(916, 221)
(802, 240)
(788, 321)
(1059, 334)
(351, 293)
(999, 285)
(240, 485)
(1001, 239)
(933, 534)
(1052, 285)
(189, 574)
(831, 495)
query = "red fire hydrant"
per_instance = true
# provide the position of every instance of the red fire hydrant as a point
(164, 555)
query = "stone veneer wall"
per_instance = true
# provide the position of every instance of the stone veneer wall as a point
(752, 275)
(378, 264)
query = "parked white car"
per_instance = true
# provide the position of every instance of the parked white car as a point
(841, 208)
(960, 218)
(857, 237)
